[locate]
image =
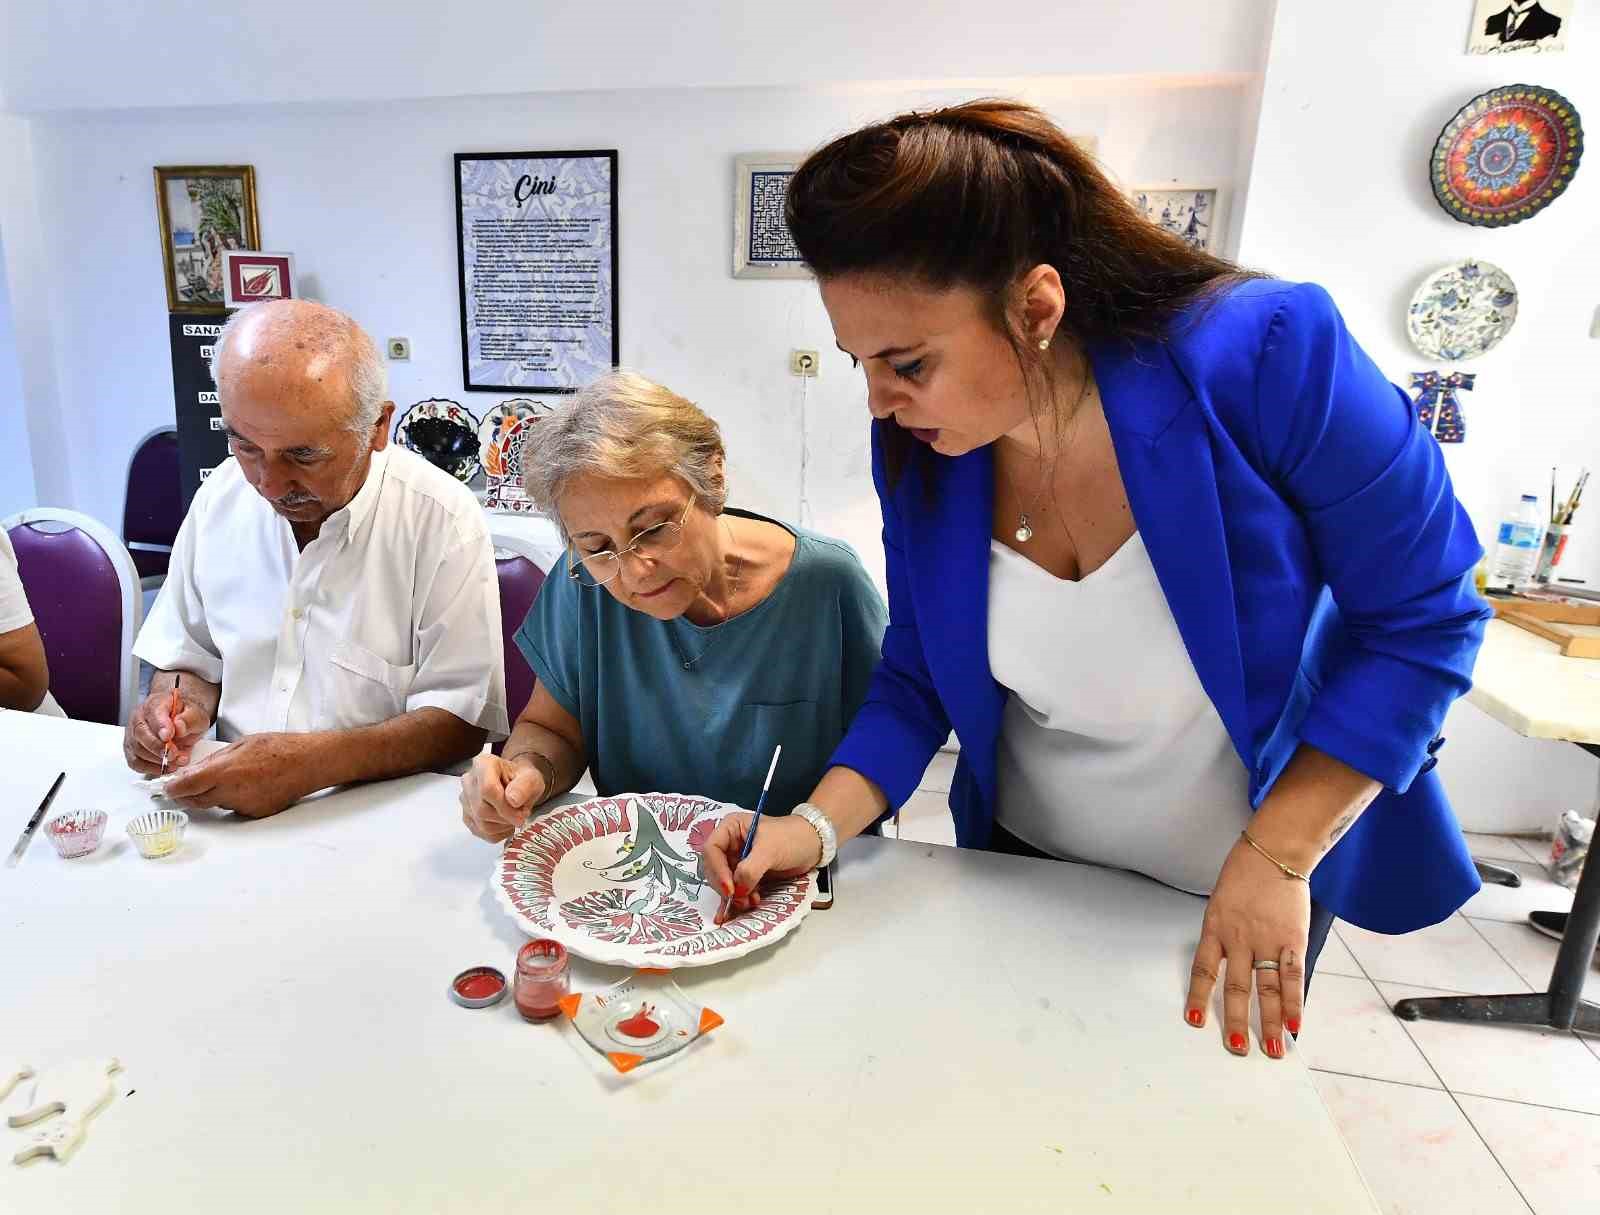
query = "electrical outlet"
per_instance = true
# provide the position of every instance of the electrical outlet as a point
(399, 348)
(802, 362)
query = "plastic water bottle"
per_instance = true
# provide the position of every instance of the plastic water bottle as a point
(1516, 553)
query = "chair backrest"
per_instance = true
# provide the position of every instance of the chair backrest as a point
(152, 509)
(520, 579)
(84, 592)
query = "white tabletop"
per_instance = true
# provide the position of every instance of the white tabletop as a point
(963, 1031)
(1523, 681)
(532, 535)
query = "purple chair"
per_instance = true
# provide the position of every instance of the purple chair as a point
(84, 591)
(152, 509)
(520, 579)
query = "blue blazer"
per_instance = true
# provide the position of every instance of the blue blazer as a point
(1308, 541)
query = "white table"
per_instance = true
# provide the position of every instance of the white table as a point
(1526, 683)
(533, 535)
(963, 1031)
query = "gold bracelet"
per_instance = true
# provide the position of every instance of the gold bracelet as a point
(1287, 872)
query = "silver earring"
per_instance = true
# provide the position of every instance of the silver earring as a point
(1044, 343)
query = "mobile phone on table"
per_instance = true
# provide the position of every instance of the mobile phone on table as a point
(824, 896)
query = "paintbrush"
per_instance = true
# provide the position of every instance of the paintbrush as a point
(755, 825)
(175, 709)
(33, 824)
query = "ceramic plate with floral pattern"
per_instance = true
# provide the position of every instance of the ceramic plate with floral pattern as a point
(1508, 154)
(1462, 311)
(620, 880)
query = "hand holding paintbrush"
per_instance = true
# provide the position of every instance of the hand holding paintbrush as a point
(750, 836)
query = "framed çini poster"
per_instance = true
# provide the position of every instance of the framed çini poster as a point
(536, 243)
(249, 277)
(1193, 213)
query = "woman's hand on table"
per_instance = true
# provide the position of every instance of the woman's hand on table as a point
(497, 795)
(1255, 914)
(152, 727)
(785, 846)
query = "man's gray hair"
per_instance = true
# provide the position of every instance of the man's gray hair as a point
(625, 426)
(331, 331)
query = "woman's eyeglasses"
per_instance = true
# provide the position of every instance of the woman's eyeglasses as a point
(597, 569)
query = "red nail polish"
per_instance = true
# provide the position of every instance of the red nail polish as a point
(742, 891)
(1275, 1048)
(1294, 1025)
(1196, 1018)
(727, 889)
(1236, 1042)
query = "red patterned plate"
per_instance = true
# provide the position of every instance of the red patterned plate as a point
(1507, 155)
(619, 880)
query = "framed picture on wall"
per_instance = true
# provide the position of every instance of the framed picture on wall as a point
(249, 277)
(762, 247)
(1194, 212)
(1503, 27)
(205, 210)
(536, 248)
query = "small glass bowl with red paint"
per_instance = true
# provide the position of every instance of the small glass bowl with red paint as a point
(542, 979)
(76, 832)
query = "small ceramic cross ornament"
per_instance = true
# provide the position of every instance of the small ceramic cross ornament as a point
(12, 1074)
(76, 1091)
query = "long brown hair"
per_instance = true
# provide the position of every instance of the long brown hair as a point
(974, 195)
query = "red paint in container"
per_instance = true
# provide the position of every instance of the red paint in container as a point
(541, 979)
(478, 987)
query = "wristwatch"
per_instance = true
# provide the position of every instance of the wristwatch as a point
(823, 826)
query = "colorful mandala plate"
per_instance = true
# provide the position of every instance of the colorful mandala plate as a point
(618, 880)
(1462, 311)
(1507, 155)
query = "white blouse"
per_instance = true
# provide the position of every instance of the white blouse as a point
(1110, 750)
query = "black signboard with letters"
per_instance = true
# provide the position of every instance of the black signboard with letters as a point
(201, 443)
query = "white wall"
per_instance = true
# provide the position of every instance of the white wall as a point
(16, 454)
(86, 54)
(362, 195)
(1339, 194)
(39, 465)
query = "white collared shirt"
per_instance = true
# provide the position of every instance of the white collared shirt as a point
(395, 606)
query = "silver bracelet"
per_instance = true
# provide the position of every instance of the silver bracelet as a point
(823, 826)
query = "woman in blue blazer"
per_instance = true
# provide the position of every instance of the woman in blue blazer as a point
(1164, 548)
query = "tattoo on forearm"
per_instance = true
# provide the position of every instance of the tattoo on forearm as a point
(1340, 827)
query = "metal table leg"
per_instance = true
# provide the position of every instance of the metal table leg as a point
(1563, 1005)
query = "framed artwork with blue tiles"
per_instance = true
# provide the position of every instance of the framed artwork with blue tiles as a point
(762, 247)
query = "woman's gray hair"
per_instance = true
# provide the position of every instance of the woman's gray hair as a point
(328, 329)
(625, 426)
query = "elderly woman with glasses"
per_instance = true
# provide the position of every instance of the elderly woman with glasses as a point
(679, 641)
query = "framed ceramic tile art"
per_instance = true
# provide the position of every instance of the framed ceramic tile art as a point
(1191, 211)
(762, 246)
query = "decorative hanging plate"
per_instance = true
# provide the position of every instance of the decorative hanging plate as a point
(435, 443)
(1462, 311)
(1507, 155)
(619, 880)
(496, 428)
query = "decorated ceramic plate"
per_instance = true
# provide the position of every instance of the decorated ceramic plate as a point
(444, 433)
(496, 428)
(1462, 311)
(620, 880)
(1507, 155)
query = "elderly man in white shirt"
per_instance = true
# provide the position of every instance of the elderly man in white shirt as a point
(331, 603)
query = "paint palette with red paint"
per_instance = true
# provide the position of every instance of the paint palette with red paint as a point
(639, 1020)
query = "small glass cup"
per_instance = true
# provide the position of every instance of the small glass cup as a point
(158, 833)
(541, 979)
(76, 832)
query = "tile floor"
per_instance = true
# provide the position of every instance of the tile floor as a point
(1440, 1118)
